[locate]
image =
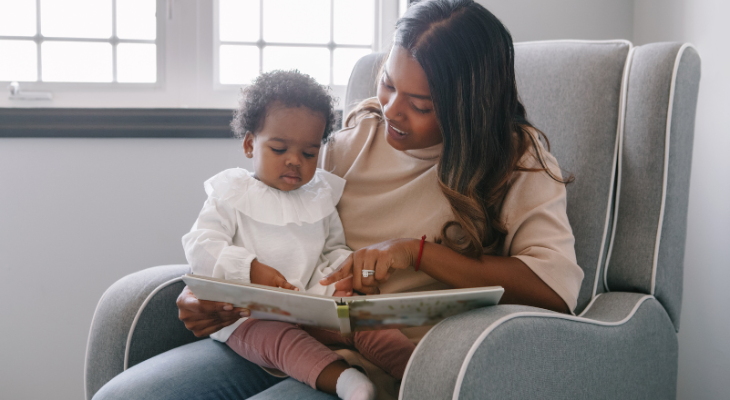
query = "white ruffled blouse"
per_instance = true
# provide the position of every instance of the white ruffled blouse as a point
(297, 232)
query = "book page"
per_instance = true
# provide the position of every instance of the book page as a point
(267, 302)
(416, 309)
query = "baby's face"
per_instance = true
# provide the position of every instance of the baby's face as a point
(286, 148)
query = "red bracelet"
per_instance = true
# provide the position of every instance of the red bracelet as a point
(420, 253)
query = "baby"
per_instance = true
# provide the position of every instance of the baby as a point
(278, 226)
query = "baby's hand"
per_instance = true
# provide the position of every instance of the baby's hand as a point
(343, 288)
(262, 274)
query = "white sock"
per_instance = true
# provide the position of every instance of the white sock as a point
(354, 385)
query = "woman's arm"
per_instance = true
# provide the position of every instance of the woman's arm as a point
(521, 285)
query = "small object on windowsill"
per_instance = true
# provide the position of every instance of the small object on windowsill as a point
(17, 94)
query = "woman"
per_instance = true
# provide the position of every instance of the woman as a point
(444, 151)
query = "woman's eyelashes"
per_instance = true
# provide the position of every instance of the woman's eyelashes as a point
(413, 106)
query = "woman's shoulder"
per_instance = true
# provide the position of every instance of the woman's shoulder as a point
(346, 144)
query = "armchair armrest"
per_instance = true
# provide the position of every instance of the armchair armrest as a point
(623, 346)
(135, 319)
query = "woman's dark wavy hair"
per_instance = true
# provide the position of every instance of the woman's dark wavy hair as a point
(291, 88)
(468, 57)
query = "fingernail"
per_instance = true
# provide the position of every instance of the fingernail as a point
(228, 308)
(245, 314)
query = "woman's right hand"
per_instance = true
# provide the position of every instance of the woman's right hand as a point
(204, 317)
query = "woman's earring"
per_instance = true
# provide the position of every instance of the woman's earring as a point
(249, 155)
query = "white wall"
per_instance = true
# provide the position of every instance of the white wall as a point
(704, 336)
(77, 214)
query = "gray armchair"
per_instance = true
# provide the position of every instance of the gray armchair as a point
(621, 119)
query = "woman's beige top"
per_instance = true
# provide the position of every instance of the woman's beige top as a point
(393, 194)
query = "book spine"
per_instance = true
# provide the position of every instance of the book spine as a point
(343, 315)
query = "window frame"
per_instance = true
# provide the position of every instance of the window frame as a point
(38, 39)
(187, 70)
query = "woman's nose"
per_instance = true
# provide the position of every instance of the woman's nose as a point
(392, 109)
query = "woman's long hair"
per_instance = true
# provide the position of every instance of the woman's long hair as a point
(468, 57)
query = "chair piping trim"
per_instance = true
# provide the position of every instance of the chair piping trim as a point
(88, 340)
(618, 164)
(665, 174)
(588, 307)
(410, 360)
(139, 314)
(530, 42)
(497, 323)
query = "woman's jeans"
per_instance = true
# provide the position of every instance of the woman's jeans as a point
(205, 369)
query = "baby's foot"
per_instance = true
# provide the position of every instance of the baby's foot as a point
(354, 385)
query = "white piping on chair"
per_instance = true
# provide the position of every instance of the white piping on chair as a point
(88, 340)
(575, 41)
(588, 307)
(618, 162)
(410, 360)
(139, 313)
(497, 323)
(665, 174)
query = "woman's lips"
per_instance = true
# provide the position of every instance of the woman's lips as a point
(395, 133)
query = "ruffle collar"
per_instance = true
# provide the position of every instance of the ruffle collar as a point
(309, 204)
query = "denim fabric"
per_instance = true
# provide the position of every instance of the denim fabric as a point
(292, 389)
(202, 370)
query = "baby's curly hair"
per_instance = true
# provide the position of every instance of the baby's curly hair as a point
(293, 89)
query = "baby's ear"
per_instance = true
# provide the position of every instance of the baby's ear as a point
(248, 144)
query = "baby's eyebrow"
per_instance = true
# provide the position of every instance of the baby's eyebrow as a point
(275, 139)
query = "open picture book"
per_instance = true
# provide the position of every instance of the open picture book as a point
(345, 314)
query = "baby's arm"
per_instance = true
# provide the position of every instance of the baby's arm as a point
(210, 252)
(208, 246)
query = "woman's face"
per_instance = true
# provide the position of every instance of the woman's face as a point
(406, 102)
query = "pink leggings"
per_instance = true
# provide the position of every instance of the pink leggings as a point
(302, 352)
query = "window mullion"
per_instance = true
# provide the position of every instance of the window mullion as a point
(261, 36)
(332, 42)
(38, 40)
(114, 41)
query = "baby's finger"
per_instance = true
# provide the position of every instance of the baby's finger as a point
(282, 283)
(340, 273)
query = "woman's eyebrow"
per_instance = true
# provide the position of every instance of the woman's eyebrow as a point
(418, 96)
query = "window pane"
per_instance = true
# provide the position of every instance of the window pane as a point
(344, 60)
(354, 21)
(297, 21)
(76, 62)
(17, 17)
(238, 64)
(136, 19)
(136, 62)
(23, 65)
(239, 20)
(312, 61)
(76, 18)
(402, 7)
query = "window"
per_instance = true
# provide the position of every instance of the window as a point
(99, 41)
(322, 38)
(179, 53)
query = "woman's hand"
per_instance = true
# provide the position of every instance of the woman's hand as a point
(383, 258)
(204, 317)
(262, 274)
(343, 288)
